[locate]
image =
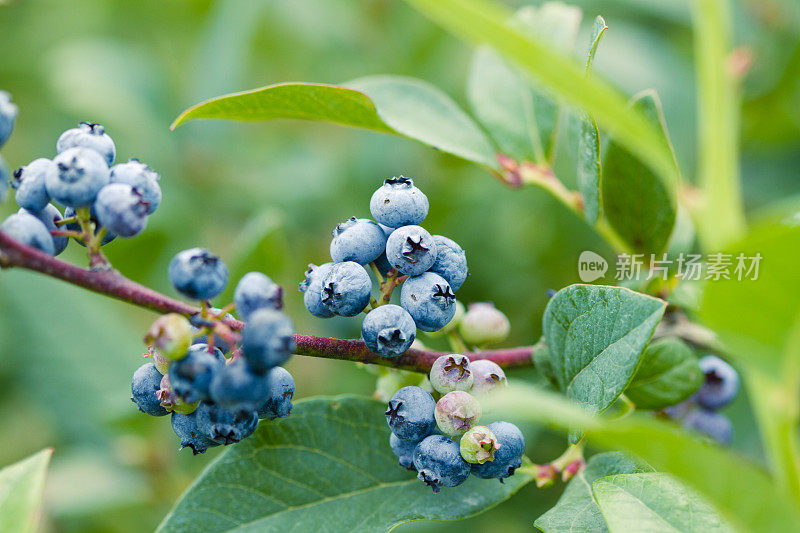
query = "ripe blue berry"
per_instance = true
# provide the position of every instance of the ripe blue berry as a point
(69, 212)
(8, 114)
(456, 412)
(256, 291)
(81, 174)
(121, 209)
(451, 372)
(4, 179)
(451, 262)
(357, 239)
(507, 457)
(404, 450)
(388, 330)
(91, 136)
(49, 216)
(439, 463)
(410, 413)
(198, 274)
(185, 427)
(429, 300)
(267, 340)
(225, 426)
(398, 203)
(141, 177)
(721, 384)
(311, 287)
(346, 289)
(191, 376)
(145, 385)
(484, 324)
(710, 423)
(281, 390)
(236, 387)
(411, 250)
(29, 230)
(29, 181)
(487, 376)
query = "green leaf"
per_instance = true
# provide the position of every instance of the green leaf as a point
(577, 509)
(387, 104)
(669, 373)
(21, 488)
(638, 204)
(589, 167)
(596, 336)
(483, 22)
(327, 467)
(748, 498)
(655, 503)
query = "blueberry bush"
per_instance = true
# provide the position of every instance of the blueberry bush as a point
(553, 355)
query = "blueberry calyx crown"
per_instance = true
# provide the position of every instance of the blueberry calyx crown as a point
(70, 172)
(399, 182)
(430, 481)
(411, 248)
(206, 258)
(392, 412)
(17, 179)
(330, 293)
(303, 286)
(341, 226)
(94, 128)
(461, 366)
(445, 293)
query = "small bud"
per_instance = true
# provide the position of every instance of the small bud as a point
(478, 445)
(546, 475)
(452, 325)
(484, 324)
(451, 372)
(456, 412)
(487, 376)
(170, 335)
(571, 469)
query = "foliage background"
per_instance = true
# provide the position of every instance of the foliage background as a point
(265, 197)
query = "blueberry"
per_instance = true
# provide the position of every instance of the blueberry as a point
(507, 457)
(49, 216)
(710, 423)
(225, 426)
(484, 324)
(256, 291)
(346, 289)
(311, 287)
(453, 324)
(388, 330)
(357, 239)
(429, 300)
(439, 463)
(170, 335)
(141, 177)
(185, 427)
(191, 376)
(456, 412)
(411, 250)
(404, 450)
(4, 179)
(197, 273)
(721, 384)
(478, 445)
(29, 181)
(91, 136)
(69, 212)
(145, 385)
(281, 391)
(237, 388)
(8, 114)
(487, 376)
(81, 174)
(29, 230)
(121, 209)
(267, 340)
(451, 372)
(410, 413)
(398, 203)
(451, 262)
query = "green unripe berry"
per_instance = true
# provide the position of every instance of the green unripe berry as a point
(484, 324)
(170, 335)
(478, 445)
(456, 412)
(453, 324)
(487, 376)
(392, 380)
(171, 402)
(450, 373)
(161, 362)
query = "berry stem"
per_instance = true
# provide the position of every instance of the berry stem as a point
(66, 233)
(113, 284)
(93, 241)
(377, 272)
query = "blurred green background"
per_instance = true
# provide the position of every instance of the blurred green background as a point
(265, 196)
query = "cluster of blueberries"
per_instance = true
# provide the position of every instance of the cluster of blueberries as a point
(217, 384)
(441, 439)
(115, 199)
(699, 413)
(430, 268)
(8, 115)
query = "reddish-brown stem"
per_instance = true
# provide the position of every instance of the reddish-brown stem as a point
(113, 284)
